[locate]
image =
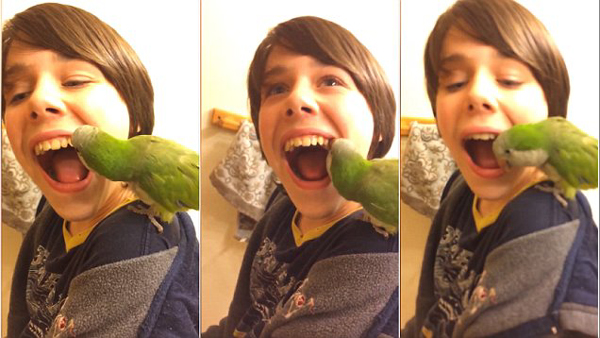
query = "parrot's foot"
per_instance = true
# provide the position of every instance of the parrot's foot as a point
(159, 227)
(381, 231)
(378, 229)
(147, 212)
(554, 191)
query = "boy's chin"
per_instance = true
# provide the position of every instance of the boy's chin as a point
(72, 211)
(324, 209)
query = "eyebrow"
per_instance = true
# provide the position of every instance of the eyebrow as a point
(457, 58)
(13, 70)
(19, 67)
(279, 69)
(452, 58)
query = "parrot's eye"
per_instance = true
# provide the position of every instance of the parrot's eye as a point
(507, 151)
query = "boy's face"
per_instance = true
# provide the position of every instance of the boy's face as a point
(306, 102)
(47, 97)
(482, 93)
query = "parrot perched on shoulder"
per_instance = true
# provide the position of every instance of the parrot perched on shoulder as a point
(567, 155)
(372, 183)
(162, 173)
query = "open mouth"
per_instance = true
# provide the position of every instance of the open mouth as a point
(60, 161)
(479, 148)
(306, 156)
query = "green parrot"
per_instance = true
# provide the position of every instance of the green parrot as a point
(162, 173)
(373, 184)
(567, 155)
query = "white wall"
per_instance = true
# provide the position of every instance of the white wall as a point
(167, 39)
(575, 28)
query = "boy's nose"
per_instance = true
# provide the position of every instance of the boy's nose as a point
(301, 101)
(45, 100)
(482, 93)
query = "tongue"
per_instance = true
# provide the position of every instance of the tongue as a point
(482, 154)
(67, 167)
(311, 164)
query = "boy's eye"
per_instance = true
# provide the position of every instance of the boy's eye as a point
(330, 81)
(452, 80)
(275, 89)
(455, 86)
(509, 83)
(17, 98)
(75, 83)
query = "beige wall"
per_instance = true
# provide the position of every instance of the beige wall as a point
(11, 242)
(221, 254)
(414, 229)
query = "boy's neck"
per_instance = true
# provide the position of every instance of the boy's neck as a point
(117, 197)
(306, 224)
(487, 206)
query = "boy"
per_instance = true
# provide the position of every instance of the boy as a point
(313, 268)
(88, 265)
(503, 257)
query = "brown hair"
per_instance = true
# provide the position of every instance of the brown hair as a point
(331, 44)
(78, 34)
(514, 32)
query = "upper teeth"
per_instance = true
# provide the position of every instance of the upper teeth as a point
(306, 141)
(482, 136)
(52, 144)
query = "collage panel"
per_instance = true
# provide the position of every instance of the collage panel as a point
(243, 275)
(110, 242)
(499, 168)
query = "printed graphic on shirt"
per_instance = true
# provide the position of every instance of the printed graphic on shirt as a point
(62, 327)
(40, 295)
(298, 301)
(269, 283)
(453, 280)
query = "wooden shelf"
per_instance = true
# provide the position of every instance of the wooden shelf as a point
(405, 122)
(228, 120)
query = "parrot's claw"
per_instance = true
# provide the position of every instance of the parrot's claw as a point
(554, 191)
(147, 212)
(378, 229)
(381, 231)
(561, 199)
(159, 227)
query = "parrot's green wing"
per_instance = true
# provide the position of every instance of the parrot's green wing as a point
(162, 173)
(573, 155)
(168, 174)
(378, 193)
(373, 184)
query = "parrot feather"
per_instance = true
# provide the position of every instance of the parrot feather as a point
(373, 184)
(567, 155)
(161, 172)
